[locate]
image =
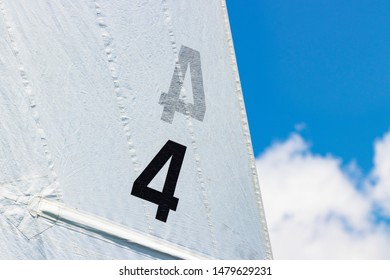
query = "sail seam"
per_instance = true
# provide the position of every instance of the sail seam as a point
(191, 131)
(30, 96)
(120, 97)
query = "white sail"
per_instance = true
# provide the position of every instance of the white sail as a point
(123, 133)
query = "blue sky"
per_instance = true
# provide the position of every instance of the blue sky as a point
(323, 63)
(316, 83)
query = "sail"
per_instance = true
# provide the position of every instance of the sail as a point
(123, 133)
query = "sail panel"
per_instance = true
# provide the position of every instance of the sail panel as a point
(129, 111)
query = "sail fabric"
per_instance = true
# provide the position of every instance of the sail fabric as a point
(130, 111)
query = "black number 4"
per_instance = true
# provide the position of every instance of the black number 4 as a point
(165, 199)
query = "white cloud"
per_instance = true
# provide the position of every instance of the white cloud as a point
(314, 208)
(380, 177)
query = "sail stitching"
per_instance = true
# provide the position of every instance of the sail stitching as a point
(30, 96)
(191, 131)
(120, 97)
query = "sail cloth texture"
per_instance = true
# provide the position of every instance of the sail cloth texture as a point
(126, 116)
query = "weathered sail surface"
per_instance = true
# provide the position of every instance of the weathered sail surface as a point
(123, 133)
